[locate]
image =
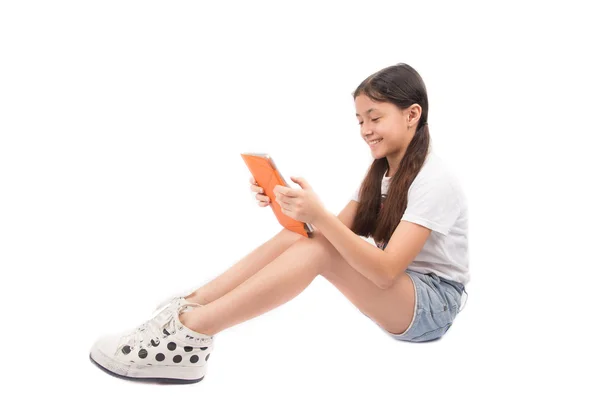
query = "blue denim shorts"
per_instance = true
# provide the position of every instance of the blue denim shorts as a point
(438, 302)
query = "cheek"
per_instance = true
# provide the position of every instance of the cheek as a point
(385, 132)
(394, 132)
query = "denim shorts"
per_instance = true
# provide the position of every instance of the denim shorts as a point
(438, 302)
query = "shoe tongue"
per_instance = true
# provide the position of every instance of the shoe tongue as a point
(168, 310)
(183, 301)
(162, 317)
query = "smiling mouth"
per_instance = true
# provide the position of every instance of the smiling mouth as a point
(374, 143)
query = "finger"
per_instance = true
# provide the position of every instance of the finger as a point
(286, 210)
(283, 197)
(252, 180)
(257, 189)
(262, 197)
(286, 191)
(283, 202)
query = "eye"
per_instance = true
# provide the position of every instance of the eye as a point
(374, 119)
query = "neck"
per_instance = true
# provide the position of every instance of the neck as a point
(394, 163)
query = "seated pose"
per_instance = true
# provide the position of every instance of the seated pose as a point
(410, 284)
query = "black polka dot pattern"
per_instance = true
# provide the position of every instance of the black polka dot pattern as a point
(155, 343)
(203, 348)
(143, 353)
(126, 350)
(206, 359)
(171, 346)
(188, 348)
(194, 359)
(177, 359)
(160, 357)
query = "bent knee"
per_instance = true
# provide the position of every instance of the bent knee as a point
(322, 250)
(319, 240)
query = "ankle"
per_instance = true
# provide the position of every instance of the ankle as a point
(193, 324)
(196, 298)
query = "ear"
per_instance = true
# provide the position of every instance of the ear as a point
(414, 114)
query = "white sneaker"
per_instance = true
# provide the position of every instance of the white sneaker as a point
(162, 349)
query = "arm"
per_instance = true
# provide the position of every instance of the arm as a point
(360, 254)
(382, 267)
(346, 216)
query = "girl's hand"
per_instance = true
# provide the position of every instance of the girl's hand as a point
(300, 204)
(263, 199)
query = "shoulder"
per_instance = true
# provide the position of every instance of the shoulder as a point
(435, 199)
(437, 175)
(435, 167)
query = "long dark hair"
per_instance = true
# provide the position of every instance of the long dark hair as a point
(402, 86)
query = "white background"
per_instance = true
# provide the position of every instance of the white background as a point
(121, 182)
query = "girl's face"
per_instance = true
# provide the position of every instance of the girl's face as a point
(391, 127)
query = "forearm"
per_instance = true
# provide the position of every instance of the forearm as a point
(361, 255)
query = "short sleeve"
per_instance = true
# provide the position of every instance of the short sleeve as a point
(355, 195)
(433, 204)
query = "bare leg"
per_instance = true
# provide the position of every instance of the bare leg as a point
(245, 268)
(275, 284)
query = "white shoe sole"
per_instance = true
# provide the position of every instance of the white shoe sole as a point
(155, 373)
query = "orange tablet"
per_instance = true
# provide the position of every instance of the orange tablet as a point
(263, 169)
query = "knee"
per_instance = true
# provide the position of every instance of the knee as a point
(318, 239)
(321, 249)
(287, 236)
(317, 244)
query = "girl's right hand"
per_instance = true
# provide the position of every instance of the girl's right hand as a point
(263, 200)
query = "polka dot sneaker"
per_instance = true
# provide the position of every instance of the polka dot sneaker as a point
(161, 350)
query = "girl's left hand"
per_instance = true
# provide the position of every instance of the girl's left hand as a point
(299, 204)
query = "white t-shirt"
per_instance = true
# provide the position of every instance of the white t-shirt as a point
(436, 201)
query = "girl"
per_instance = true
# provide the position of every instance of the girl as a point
(410, 284)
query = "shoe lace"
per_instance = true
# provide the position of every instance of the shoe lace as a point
(150, 332)
(175, 296)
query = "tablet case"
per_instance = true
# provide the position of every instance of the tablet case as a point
(263, 169)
